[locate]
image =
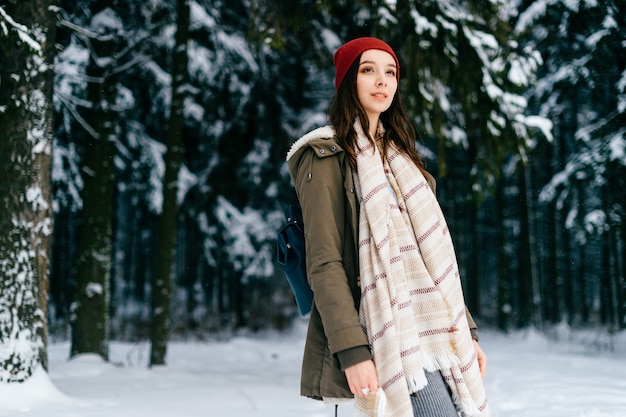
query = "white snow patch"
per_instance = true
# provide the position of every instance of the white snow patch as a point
(36, 393)
(528, 375)
(93, 289)
(542, 123)
(617, 145)
(107, 21)
(422, 24)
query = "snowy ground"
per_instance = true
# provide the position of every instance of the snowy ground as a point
(528, 376)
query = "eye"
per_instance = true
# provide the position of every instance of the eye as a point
(391, 72)
(367, 69)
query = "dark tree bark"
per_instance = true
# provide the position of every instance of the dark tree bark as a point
(503, 284)
(25, 175)
(528, 288)
(90, 326)
(621, 277)
(161, 290)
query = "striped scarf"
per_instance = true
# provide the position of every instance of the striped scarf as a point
(412, 305)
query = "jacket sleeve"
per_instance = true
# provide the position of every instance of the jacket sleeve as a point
(472, 324)
(320, 189)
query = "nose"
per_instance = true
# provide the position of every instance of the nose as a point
(381, 81)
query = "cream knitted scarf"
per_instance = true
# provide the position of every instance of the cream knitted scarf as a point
(412, 305)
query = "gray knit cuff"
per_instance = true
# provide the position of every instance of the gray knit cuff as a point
(474, 334)
(354, 355)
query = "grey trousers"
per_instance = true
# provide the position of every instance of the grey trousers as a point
(434, 399)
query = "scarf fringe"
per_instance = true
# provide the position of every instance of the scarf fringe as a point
(439, 362)
(431, 364)
(417, 382)
(467, 407)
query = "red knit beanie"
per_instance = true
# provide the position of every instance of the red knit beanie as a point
(348, 52)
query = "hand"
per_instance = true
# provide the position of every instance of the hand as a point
(362, 375)
(482, 359)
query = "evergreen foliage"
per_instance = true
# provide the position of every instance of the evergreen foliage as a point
(520, 108)
(581, 90)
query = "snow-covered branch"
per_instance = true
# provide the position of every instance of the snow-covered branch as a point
(8, 25)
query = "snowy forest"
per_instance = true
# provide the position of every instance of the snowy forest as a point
(143, 145)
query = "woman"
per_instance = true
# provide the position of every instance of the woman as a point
(388, 325)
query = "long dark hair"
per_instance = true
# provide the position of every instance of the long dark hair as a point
(345, 107)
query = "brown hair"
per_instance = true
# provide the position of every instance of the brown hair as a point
(345, 107)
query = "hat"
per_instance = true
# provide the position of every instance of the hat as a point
(348, 52)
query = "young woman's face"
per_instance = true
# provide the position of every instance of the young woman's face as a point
(376, 82)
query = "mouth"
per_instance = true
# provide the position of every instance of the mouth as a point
(381, 96)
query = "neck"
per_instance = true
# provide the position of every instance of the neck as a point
(373, 126)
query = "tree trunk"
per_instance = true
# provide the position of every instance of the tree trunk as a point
(161, 290)
(93, 264)
(503, 283)
(528, 285)
(621, 277)
(25, 200)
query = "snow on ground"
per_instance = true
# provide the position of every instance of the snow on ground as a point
(528, 376)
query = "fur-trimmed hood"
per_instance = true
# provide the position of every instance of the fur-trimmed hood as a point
(324, 132)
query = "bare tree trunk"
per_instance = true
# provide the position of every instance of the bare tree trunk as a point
(620, 258)
(503, 283)
(25, 204)
(161, 290)
(93, 264)
(530, 295)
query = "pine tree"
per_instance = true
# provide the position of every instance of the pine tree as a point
(133, 85)
(162, 288)
(90, 326)
(581, 89)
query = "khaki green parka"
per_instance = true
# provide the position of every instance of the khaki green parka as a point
(324, 184)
